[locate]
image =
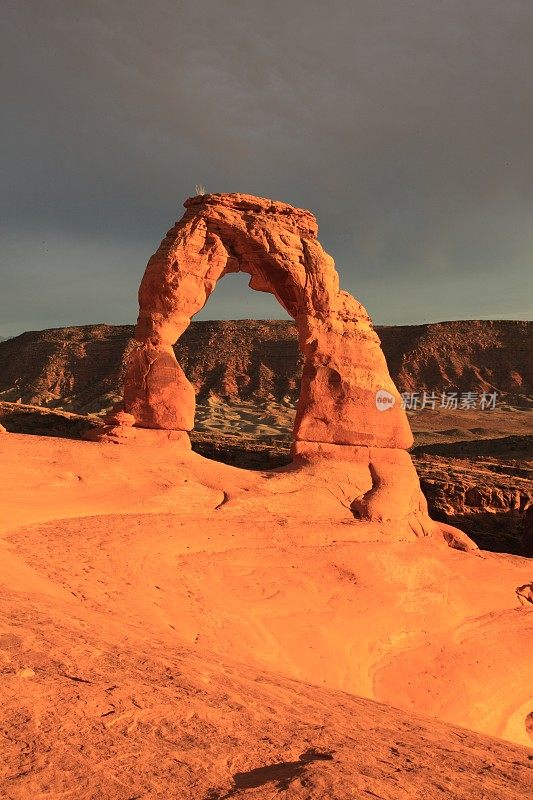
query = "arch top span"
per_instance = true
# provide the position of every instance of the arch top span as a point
(277, 245)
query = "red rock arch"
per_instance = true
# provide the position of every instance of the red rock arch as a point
(340, 433)
(276, 244)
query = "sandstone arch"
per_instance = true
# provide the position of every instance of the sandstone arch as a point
(277, 246)
(338, 419)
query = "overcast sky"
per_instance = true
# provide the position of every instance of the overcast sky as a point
(406, 126)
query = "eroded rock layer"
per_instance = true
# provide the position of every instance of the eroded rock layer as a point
(79, 368)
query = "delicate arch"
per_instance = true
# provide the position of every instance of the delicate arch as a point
(276, 244)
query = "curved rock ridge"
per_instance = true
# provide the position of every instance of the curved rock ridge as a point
(277, 246)
(349, 409)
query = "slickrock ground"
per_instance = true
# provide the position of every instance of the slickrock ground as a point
(174, 627)
(476, 469)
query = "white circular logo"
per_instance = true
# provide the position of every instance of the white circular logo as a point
(384, 400)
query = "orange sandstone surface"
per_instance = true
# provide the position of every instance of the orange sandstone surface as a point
(175, 627)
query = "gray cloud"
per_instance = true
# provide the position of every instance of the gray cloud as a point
(405, 125)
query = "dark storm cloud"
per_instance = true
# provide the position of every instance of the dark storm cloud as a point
(405, 126)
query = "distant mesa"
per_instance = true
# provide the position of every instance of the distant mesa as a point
(79, 369)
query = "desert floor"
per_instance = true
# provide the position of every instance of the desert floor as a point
(172, 627)
(271, 420)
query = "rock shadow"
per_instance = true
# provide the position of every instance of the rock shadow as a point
(282, 773)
